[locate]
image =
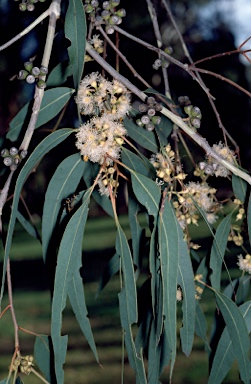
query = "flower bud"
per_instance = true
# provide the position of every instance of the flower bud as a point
(30, 7)
(8, 161)
(88, 8)
(22, 74)
(150, 100)
(4, 152)
(188, 109)
(13, 151)
(139, 123)
(114, 20)
(41, 84)
(145, 119)
(43, 70)
(28, 65)
(142, 108)
(106, 5)
(150, 126)
(35, 71)
(151, 112)
(109, 29)
(30, 79)
(94, 3)
(156, 120)
(121, 12)
(196, 112)
(195, 122)
(115, 3)
(22, 7)
(105, 14)
(157, 63)
(23, 154)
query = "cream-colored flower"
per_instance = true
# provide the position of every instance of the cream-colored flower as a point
(244, 263)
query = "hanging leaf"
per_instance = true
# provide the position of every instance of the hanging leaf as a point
(43, 354)
(27, 226)
(238, 333)
(239, 188)
(136, 231)
(186, 281)
(134, 162)
(135, 360)
(70, 251)
(218, 250)
(62, 184)
(147, 192)
(123, 250)
(44, 147)
(224, 355)
(75, 31)
(249, 218)
(77, 299)
(169, 253)
(52, 103)
(145, 139)
(201, 326)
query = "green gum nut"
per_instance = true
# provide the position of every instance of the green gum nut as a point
(156, 120)
(121, 12)
(22, 7)
(41, 84)
(115, 3)
(22, 74)
(196, 112)
(28, 65)
(88, 8)
(188, 109)
(195, 122)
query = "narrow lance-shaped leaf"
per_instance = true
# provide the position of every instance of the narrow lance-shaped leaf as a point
(186, 281)
(136, 163)
(111, 268)
(77, 299)
(75, 31)
(249, 218)
(169, 251)
(123, 250)
(62, 184)
(44, 147)
(201, 326)
(238, 333)
(218, 250)
(43, 354)
(136, 360)
(224, 355)
(52, 103)
(70, 252)
(28, 226)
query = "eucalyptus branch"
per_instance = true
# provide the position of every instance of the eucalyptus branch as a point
(3, 197)
(173, 117)
(157, 33)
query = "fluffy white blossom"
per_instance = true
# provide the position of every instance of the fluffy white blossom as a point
(244, 263)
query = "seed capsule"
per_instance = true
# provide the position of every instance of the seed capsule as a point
(109, 29)
(150, 100)
(22, 7)
(121, 12)
(41, 84)
(94, 3)
(150, 126)
(13, 151)
(23, 154)
(195, 122)
(28, 65)
(156, 120)
(151, 112)
(7, 161)
(35, 71)
(142, 108)
(30, 7)
(4, 152)
(145, 119)
(106, 5)
(30, 79)
(43, 70)
(22, 74)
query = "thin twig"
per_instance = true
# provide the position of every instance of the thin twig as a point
(157, 33)
(12, 310)
(174, 118)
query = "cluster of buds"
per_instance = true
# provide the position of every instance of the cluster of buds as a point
(12, 158)
(108, 182)
(193, 195)
(97, 44)
(160, 63)
(194, 116)
(235, 235)
(198, 288)
(212, 167)
(32, 74)
(108, 14)
(149, 118)
(164, 165)
(241, 213)
(184, 100)
(28, 5)
(23, 363)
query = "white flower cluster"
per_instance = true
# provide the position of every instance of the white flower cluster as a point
(244, 263)
(108, 103)
(213, 167)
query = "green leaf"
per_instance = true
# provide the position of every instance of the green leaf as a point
(43, 354)
(122, 248)
(136, 231)
(52, 103)
(169, 253)
(224, 355)
(111, 268)
(135, 162)
(164, 129)
(147, 192)
(75, 31)
(77, 299)
(70, 252)
(218, 250)
(59, 74)
(239, 187)
(238, 333)
(27, 226)
(19, 380)
(201, 326)
(186, 281)
(44, 147)
(62, 184)
(135, 360)
(249, 218)
(145, 139)
(4, 381)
